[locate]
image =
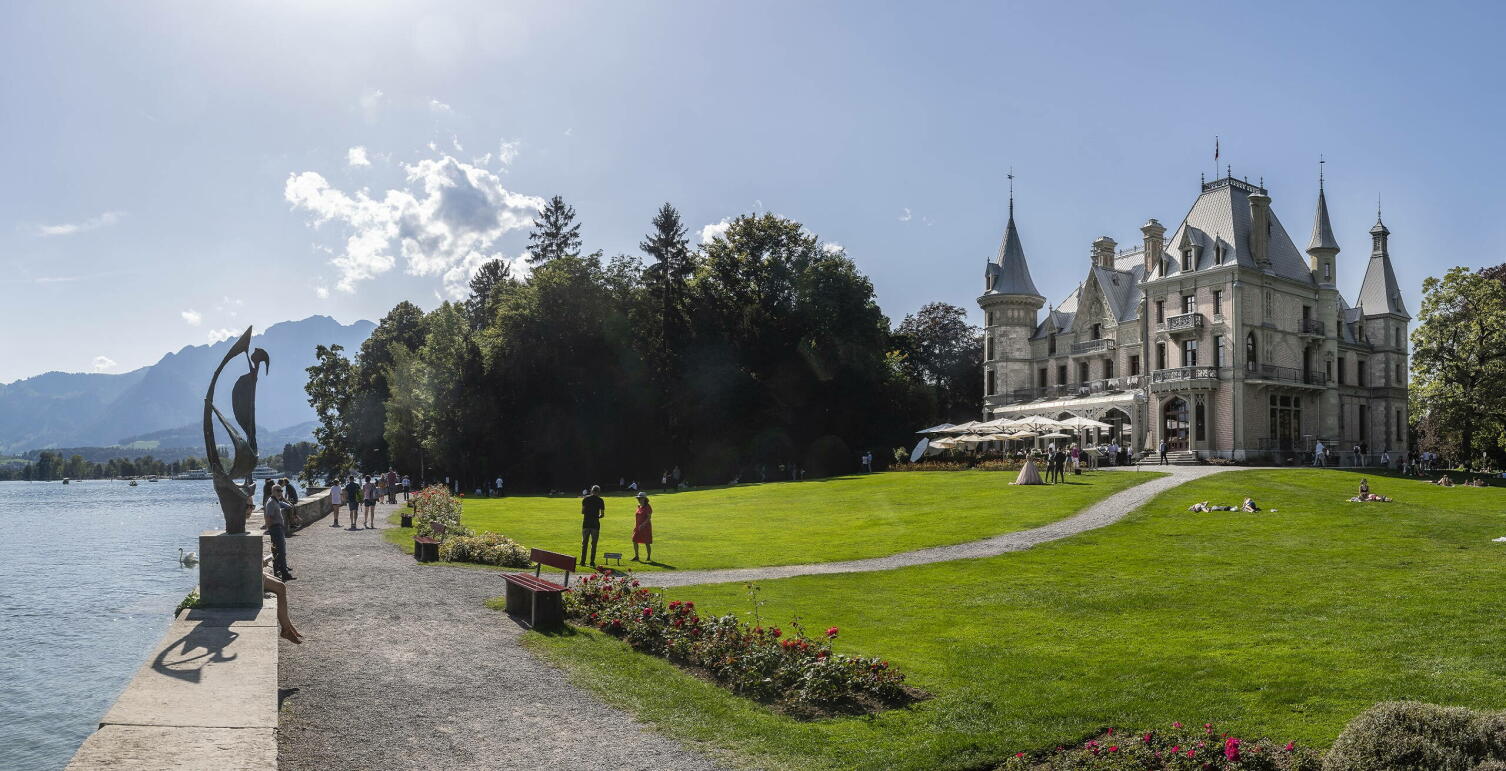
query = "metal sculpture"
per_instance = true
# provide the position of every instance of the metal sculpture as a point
(234, 499)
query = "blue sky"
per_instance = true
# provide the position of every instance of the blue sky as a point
(177, 169)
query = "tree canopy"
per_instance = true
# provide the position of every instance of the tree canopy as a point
(1458, 391)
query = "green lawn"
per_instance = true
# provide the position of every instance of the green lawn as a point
(790, 523)
(1283, 624)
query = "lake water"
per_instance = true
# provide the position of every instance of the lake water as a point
(89, 581)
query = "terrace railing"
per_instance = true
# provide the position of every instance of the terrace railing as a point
(1094, 346)
(1179, 374)
(1186, 322)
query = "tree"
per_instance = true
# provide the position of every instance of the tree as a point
(402, 327)
(943, 351)
(557, 235)
(667, 281)
(1459, 360)
(479, 306)
(329, 389)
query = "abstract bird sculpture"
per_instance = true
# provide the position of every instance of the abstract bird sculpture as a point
(233, 499)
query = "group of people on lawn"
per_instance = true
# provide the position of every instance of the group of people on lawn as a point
(593, 508)
(1057, 460)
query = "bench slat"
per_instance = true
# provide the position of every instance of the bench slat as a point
(553, 559)
(532, 583)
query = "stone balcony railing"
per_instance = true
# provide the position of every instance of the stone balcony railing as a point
(1310, 327)
(1094, 346)
(1180, 374)
(1287, 374)
(1186, 322)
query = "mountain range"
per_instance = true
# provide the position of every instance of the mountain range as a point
(162, 404)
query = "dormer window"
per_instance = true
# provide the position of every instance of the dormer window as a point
(1186, 260)
(1218, 253)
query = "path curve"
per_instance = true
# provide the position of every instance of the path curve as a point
(1105, 512)
(404, 667)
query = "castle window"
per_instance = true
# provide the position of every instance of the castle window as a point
(1160, 356)
(1400, 437)
(1341, 370)
(1189, 353)
(1186, 260)
(1082, 372)
(1359, 375)
(1327, 272)
(990, 347)
(1189, 303)
(1051, 345)
(1160, 312)
(992, 383)
(1401, 376)
(1398, 336)
(1364, 418)
(1134, 365)
(1108, 368)
(1040, 377)
(1218, 350)
(1097, 331)
(1218, 302)
(1252, 353)
(1200, 421)
(1061, 374)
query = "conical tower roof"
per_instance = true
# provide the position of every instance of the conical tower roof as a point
(1322, 230)
(1009, 272)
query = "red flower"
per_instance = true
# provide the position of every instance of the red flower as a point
(831, 632)
(1114, 748)
(1145, 738)
(1111, 732)
(775, 631)
(1191, 753)
(1176, 725)
(1290, 746)
(1019, 754)
(1231, 749)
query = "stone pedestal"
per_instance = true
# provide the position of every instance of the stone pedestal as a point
(230, 570)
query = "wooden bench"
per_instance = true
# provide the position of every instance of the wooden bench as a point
(426, 549)
(536, 599)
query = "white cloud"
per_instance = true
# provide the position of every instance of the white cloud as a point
(570, 131)
(356, 156)
(371, 103)
(443, 222)
(509, 151)
(832, 247)
(438, 106)
(928, 221)
(218, 335)
(322, 292)
(905, 217)
(102, 363)
(193, 317)
(710, 232)
(69, 228)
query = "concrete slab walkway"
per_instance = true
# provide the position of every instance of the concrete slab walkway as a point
(1105, 512)
(404, 667)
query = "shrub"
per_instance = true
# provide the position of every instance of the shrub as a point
(1000, 464)
(1178, 749)
(1413, 735)
(798, 673)
(190, 600)
(931, 465)
(435, 504)
(485, 548)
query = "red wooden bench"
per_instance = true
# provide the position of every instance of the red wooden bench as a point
(539, 600)
(426, 549)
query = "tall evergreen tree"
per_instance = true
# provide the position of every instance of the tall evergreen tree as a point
(330, 390)
(479, 306)
(557, 233)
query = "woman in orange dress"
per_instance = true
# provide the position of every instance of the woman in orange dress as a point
(643, 527)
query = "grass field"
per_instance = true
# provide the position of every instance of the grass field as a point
(1283, 623)
(788, 523)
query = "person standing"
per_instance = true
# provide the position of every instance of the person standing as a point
(499, 485)
(643, 527)
(1076, 459)
(353, 499)
(1318, 450)
(272, 514)
(369, 497)
(336, 501)
(407, 487)
(391, 483)
(1162, 449)
(592, 509)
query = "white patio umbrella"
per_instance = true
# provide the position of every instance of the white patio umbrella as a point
(1055, 435)
(935, 429)
(1083, 423)
(962, 428)
(944, 443)
(1022, 435)
(1036, 423)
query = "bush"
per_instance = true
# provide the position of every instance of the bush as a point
(435, 504)
(1175, 750)
(485, 548)
(931, 465)
(799, 673)
(1413, 735)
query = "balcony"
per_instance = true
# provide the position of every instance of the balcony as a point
(1100, 345)
(1185, 324)
(1311, 327)
(1185, 378)
(1286, 375)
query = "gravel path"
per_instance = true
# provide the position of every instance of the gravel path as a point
(404, 667)
(1105, 512)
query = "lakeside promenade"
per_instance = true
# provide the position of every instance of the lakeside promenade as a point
(403, 666)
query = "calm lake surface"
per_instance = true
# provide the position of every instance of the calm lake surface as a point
(89, 583)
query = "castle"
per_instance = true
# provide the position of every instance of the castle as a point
(1221, 340)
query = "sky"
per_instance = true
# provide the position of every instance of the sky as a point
(181, 170)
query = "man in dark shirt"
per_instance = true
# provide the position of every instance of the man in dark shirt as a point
(592, 509)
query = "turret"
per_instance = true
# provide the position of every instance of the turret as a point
(1155, 243)
(1010, 303)
(1323, 247)
(1379, 292)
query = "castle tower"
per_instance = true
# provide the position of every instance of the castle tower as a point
(1321, 334)
(1385, 323)
(1010, 303)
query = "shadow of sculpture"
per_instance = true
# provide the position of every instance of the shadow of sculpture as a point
(182, 659)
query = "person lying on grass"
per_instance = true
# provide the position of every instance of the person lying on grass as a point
(1248, 505)
(1444, 481)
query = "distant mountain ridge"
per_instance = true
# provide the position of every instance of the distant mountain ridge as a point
(58, 409)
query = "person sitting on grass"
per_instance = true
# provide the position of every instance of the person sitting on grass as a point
(1444, 481)
(1249, 505)
(1366, 496)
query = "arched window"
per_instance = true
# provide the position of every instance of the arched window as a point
(1252, 353)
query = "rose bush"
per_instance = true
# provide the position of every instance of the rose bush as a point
(1178, 749)
(486, 548)
(434, 504)
(794, 671)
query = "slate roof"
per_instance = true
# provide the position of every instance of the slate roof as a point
(1008, 273)
(1379, 292)
(1221, 215)
(1322, 230)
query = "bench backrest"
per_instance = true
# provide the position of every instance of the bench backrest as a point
(555, 560)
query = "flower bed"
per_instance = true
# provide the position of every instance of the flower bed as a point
(487, 548)
(931, 465)
(434, 504)
(797, 674)
(1176, 750)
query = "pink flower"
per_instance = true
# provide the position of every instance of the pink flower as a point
(1290, 746)
(1176, 725)
(1111, 732)
(1019, 754)
(831, 632)
(1231, 749)
(1114, 748)
(1191, 753)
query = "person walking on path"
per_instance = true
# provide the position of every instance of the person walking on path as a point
(643, 527)
(407, 487)
(499, 485)
(353, 500)
(369, 497)
(592, 509)
(272, 514)
(1318, 451)
(1162, 449)
(391, 484)
(336, 501)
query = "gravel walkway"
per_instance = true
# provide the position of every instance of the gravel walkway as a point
(404, 667)
(1105, 512)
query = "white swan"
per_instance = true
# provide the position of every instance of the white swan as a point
(189, 560)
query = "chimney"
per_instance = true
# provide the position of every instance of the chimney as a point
(1155, 243)
(1260, 227)
(1103, 252)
